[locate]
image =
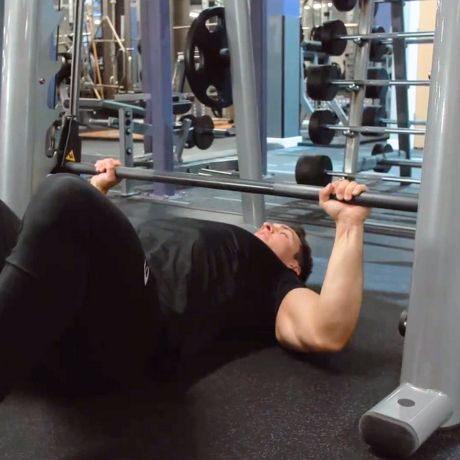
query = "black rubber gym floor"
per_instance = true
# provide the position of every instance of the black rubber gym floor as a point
(241, 400)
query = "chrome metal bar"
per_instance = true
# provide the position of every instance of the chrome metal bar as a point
(128, 57)
(105, 123)
(245, 99)
(338, 110)
(411, 122)
(381, 82)
(413, 41)
(357, 97)
(118, 39)
(410, 163)
(376, 130)
(387, 35)
(181, 137)
(402, 180)
(400, 73)
(87, 103)
(398, 1)
(125, 118)
(391, 227)
(76, 59)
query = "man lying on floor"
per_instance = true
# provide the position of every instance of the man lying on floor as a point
(97, 302)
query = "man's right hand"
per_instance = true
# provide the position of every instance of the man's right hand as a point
(340, 209)
(106, 177)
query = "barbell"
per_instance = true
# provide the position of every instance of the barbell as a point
(311, 193)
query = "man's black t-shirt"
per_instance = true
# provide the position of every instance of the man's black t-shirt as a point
(213, 278)
(9, 223)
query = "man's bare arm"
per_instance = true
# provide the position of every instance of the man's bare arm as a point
(307, 321)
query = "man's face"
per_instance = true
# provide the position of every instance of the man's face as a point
(283, 241)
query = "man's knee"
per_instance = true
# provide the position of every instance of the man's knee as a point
(63, 185)
(60, 196)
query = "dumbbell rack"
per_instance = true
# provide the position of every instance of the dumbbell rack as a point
(400, 75)
(324, 82)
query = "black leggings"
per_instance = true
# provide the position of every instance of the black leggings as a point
(74, 290)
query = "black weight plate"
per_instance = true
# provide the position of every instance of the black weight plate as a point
(311, 170)
(327, 34)
(344, 5)
(377, 73)
(319, 133)
(319, 77)
(190, 142)
(203, 132)
(378, 50)
(372, 116)
(211, 74)
(380, 149)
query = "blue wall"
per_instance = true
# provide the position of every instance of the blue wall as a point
(283, 8)
(383, 17)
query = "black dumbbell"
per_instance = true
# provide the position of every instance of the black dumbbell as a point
(344, 5)
(312, 170)
(328, 34)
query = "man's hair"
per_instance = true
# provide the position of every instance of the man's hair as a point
(303, 257)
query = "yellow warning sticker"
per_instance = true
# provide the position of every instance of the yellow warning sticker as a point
(70, 156)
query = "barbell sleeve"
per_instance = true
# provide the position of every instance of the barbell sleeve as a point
(387, 35)
(409, 163)
(374, 177)
(376, 130)
(381, 82)
(311, 193)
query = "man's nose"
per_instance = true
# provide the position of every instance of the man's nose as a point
(268, 226)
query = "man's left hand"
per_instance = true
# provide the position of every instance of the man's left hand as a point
(106, 177)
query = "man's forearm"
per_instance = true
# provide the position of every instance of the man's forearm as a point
(342, 291)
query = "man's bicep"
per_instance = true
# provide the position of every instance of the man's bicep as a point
(294, 327)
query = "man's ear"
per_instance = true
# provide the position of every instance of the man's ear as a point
(295, 267)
